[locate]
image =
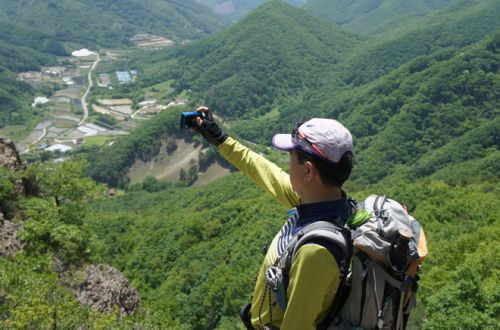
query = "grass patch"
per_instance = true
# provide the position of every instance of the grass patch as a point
(96, 141)
(60, 107)
(273, 114)
(160, 91)
(21, 132)
(15, 132)
(84, 72)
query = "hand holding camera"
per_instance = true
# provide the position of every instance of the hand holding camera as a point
(202, 121)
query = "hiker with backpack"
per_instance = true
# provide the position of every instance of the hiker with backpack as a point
(303, 282)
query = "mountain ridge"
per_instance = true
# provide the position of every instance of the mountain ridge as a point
(110, 23)
(274, 49)
(366, 16)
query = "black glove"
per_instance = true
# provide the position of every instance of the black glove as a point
(210, 130)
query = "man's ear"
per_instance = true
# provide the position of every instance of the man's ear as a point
(309, 169)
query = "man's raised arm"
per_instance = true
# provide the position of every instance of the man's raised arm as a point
(263, 172)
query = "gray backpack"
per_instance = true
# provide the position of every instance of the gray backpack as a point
(382, 247)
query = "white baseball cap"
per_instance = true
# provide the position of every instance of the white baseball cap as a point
(324, 138)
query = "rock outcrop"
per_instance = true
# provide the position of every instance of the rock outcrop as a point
(101, 287)
(9, 244)
(9, 157)
(104, 287)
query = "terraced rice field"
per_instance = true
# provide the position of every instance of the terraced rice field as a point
(63, 123)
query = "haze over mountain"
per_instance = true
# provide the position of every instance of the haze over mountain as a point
(236, 9)
(372, 16)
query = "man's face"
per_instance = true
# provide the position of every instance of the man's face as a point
(297, 173)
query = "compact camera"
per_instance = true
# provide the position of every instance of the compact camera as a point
(188, 119)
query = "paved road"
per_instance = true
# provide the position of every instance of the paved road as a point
(84, 97)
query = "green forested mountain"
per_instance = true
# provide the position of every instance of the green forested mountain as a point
(415, 122)
(111, 23)
(421, 118)
(279, 51)
(275, 53)
(427, 105)
(21, 49)
(373, 16)
(451, 28)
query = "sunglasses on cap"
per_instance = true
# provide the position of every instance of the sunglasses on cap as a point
(300, 141)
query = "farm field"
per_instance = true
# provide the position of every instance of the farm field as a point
(96, 141)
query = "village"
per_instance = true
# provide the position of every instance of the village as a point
(68, 120)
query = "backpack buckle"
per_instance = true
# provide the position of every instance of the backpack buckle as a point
(274, 279)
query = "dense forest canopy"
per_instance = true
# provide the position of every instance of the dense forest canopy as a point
(194, 252)
(111, 23)
(375, 16)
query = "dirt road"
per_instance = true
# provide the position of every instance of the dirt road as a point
(84, 97)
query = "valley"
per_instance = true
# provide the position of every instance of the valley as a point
(74, 116)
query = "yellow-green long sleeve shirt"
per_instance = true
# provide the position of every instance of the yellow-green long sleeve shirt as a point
(314, 274)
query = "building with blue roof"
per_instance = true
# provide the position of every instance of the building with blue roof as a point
(123, 77)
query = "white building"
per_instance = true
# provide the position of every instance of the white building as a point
(82, 53)
(60, 147)
(40, 100)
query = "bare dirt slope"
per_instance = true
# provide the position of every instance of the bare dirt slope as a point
(214, 172)
(168, 167)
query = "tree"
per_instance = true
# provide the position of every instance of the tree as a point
(191, 175)
(55, 218)
(151, 184)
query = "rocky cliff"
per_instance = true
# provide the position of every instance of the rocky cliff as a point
(101, 287)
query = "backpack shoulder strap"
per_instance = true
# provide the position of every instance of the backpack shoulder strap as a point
(318, 230)
(321, 231)
(324, 230)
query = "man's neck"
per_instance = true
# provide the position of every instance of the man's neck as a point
(321, 194)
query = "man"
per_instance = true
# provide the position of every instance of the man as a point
(321, 153)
